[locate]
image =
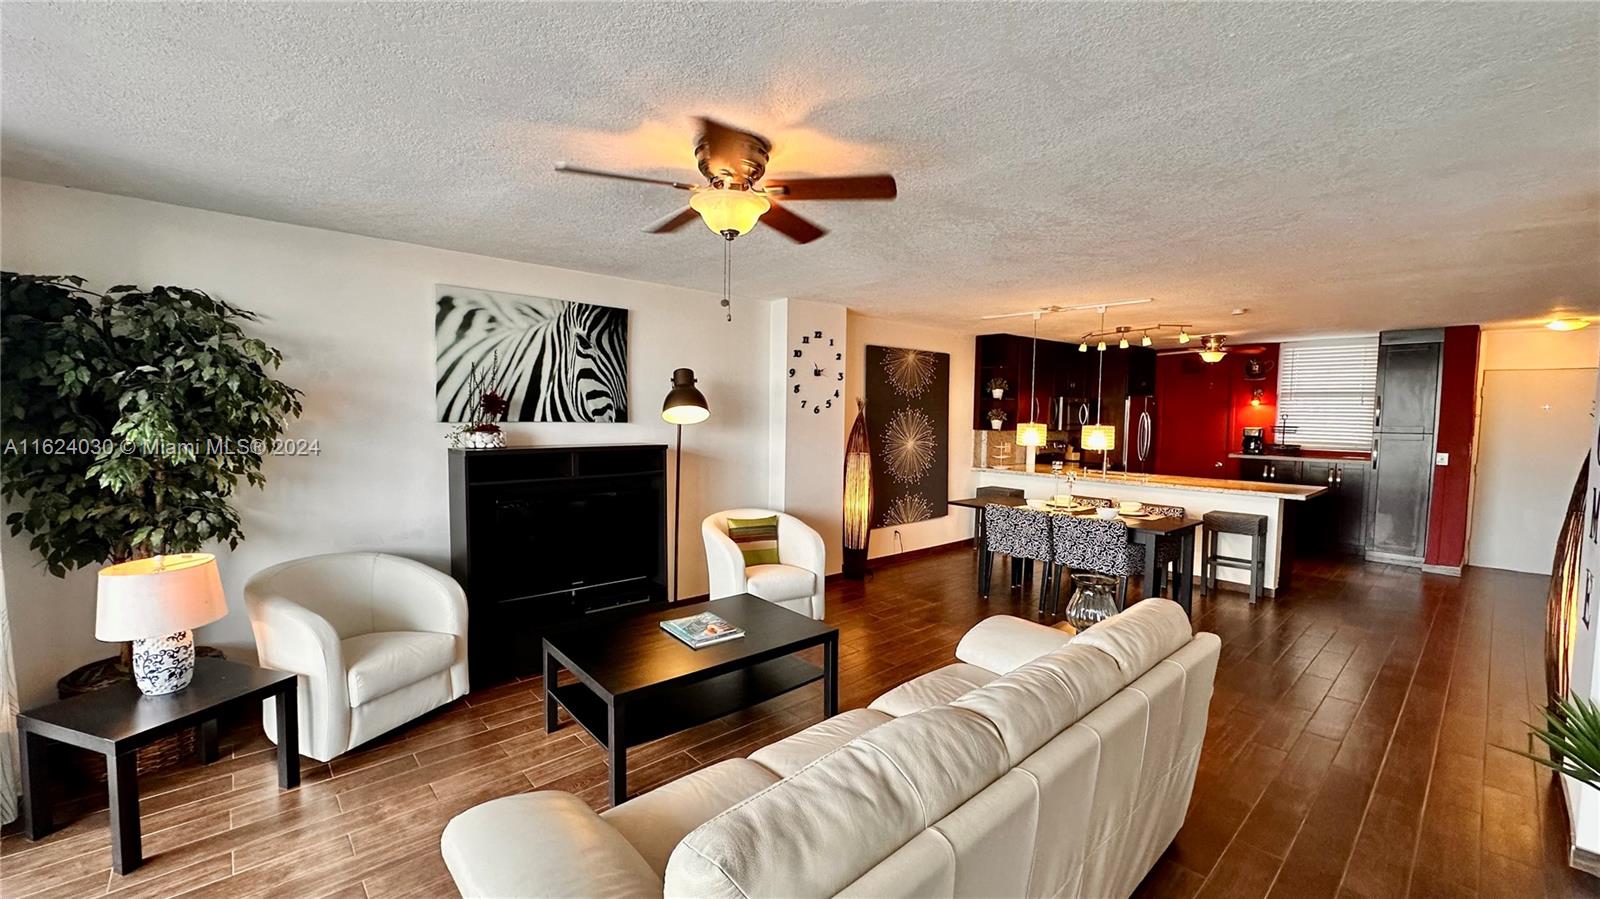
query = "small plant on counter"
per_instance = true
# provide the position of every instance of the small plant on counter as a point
(997, 418)
(997, 387)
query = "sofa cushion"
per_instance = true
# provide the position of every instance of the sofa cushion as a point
(1001, 643)
(821, 829)
(1140, 636)
(655, 822)
(790, 754)
(1032, 704)
(546, 844)
(381, 663)
(775, 583)
(937, 687)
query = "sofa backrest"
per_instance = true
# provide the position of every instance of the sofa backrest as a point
(1066, 777)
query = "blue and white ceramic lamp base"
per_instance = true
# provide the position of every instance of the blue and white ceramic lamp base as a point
(164, 664)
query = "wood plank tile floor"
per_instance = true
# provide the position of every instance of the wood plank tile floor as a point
(1353, 750)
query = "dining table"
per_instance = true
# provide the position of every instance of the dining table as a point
(1141, 530)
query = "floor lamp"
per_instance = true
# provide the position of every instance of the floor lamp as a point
(684, 405)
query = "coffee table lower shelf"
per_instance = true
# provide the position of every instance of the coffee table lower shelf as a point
(674, 709)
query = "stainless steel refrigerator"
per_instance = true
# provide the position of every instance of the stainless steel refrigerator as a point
(1138, 434)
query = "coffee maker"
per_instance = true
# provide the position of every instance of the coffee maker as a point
(1254, 442)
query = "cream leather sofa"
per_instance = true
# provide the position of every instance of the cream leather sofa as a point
(797, 582)
(1037, 765)
(376, 639)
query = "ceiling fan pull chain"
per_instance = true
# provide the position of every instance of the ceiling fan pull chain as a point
(727, 274)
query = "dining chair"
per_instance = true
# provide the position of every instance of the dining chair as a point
(1169, 549)
(991, 493)
(1096, 545)
(1021, 534)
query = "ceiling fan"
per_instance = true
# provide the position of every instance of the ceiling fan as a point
(735, 197)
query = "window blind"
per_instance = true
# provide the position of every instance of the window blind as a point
(1326, 393)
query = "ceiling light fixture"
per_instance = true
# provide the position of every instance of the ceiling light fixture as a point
(1211, 349)
(1083, 347)
(1101, 346)
(1030, 433)
(1183, 336)
(1122, 344)
(1146, 341)
(1567, 324)
(727, 211)
(1098, 437)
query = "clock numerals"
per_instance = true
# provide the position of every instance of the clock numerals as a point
(830, 341)
(797, 354)
(791, 372)
(802, 404)
(836, 394)
(838, 357)
(816, 410)
(841, 376)
(804, 339)
(817, 334)
(797, 388)
(829, 404)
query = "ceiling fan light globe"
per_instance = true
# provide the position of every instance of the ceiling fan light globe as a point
(725, 210)
(1212, 356)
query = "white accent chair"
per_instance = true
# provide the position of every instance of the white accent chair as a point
(376, 639)
(797, 582)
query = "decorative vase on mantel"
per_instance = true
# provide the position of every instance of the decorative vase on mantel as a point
(475, 439)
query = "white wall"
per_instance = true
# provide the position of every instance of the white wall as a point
(807, 444)
(1519, 349)
(955, 524)
(354, 319)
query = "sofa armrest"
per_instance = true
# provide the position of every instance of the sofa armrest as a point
(542, 844)
(1004, 642)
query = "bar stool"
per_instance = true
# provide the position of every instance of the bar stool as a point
(1252, 526)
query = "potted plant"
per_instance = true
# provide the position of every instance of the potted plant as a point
(997, 418)
(1571, 732)
(481, 430)
(997, 387)
(130, 417)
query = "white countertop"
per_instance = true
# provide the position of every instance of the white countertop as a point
(1176, 483)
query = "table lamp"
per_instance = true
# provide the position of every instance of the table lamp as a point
(157, 603)
(684, 405)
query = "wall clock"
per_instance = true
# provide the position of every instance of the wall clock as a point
(816, 373)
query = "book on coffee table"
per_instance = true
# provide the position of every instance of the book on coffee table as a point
(702, 630)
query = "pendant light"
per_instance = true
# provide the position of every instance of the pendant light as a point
(1030, 433)
(1098, 437)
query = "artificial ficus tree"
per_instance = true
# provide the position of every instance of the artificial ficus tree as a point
(128, 418)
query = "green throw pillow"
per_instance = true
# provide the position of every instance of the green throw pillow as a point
(757, 538)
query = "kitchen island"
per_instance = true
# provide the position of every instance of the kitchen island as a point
(1197, 496)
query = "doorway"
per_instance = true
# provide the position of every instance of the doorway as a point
(1533, 431)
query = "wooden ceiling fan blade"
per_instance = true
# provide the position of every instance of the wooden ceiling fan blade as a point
(597, 173)
(673, 222)
(848, 187)
(791, 226)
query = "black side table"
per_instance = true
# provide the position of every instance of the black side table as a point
(118, 720)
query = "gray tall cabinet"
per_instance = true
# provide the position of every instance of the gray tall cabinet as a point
(1400, 484)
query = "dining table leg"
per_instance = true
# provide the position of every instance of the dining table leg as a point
(1147, 539)
(1183, 590)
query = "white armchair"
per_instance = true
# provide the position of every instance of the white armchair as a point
(376, 639)
(797, 582)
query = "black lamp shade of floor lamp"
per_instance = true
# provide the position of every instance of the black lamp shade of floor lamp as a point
(684, 405)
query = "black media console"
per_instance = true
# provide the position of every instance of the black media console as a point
(543, 535)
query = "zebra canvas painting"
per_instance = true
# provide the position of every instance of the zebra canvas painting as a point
(553, 360)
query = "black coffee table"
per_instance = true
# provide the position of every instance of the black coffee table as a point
(117, 720)
(637, 683)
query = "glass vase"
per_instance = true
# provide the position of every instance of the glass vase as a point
(1094, 599)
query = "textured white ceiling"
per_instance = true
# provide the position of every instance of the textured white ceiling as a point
(1330, 167)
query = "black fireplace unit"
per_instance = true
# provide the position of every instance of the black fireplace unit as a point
(543, 535)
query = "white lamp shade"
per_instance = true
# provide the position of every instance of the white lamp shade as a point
(1032, 433)
(158, 596)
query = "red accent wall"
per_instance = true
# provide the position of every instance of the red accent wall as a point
(1452, 484)
(1201, 409)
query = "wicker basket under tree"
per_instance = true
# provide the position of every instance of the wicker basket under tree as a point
(144, 409)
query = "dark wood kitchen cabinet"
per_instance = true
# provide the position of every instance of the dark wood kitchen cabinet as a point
(1069, 383)
(1335, 521)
